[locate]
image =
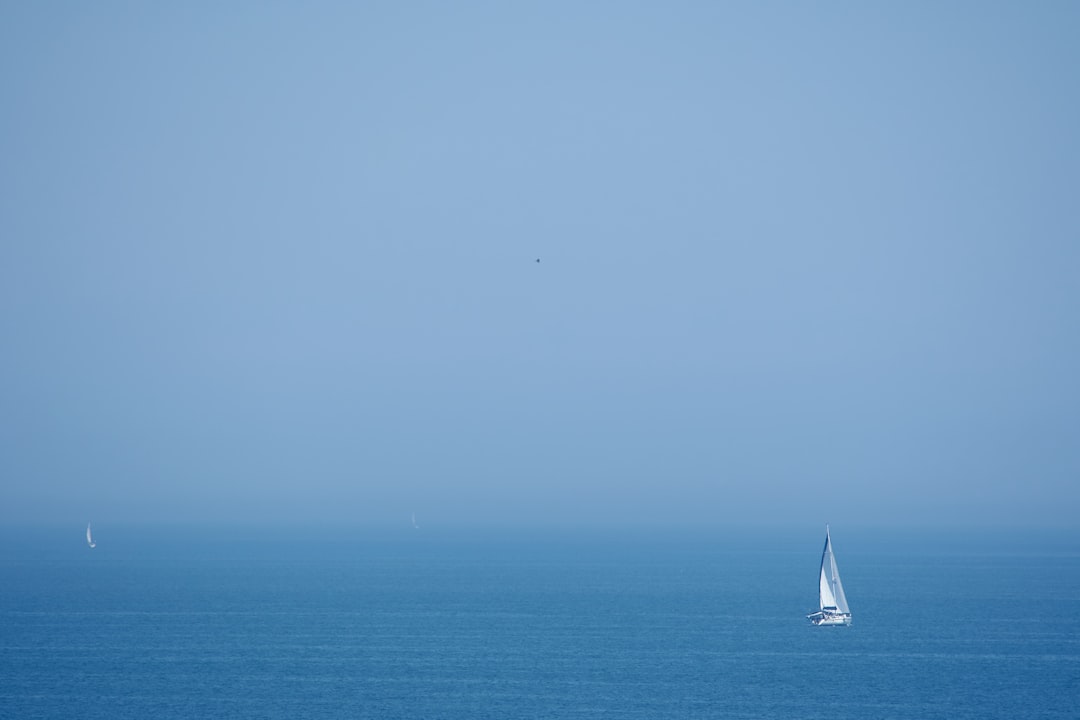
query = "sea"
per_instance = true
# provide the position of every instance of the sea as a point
(553, 622)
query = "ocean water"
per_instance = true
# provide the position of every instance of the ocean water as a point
(531, 624)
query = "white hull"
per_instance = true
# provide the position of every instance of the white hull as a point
(821, 619)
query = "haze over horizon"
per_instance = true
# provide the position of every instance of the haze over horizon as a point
(798, 263)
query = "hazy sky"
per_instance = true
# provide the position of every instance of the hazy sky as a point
(800, 262)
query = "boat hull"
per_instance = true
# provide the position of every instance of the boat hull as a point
(829, 619)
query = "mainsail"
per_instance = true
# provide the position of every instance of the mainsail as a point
(831, 590)
(89, 537)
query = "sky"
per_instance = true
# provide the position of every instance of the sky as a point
(272, 262)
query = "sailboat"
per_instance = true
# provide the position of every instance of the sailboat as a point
(414, 521)
(90, 538)
(832, 603)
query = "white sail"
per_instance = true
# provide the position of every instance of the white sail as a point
(832, 603)
(90, 537)
(414, 521)
(831, 589)
(825, 592)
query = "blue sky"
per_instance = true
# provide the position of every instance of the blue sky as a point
(266, 262)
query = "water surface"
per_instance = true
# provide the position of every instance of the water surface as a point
(530, 624)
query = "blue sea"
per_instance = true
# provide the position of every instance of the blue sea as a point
(556, 623)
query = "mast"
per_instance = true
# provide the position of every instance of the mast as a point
(826, 598)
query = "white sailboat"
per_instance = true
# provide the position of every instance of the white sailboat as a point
(90, 538)
(414, 521)
(832, 603)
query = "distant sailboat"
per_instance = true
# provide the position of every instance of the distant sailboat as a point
(414, 521)
(90, 538)
(832, 603)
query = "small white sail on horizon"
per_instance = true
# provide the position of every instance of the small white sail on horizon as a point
(90, 537)
(832, 602)
(414, 521)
